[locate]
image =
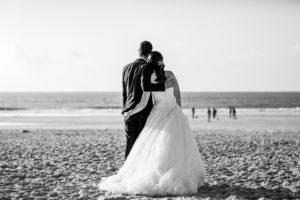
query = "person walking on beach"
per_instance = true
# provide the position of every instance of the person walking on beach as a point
(165, 158)
(193, 112)
(208, 113)
(136, 79)
(214, 113)
(234, 113)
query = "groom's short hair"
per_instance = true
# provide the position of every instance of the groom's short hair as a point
(145, 48)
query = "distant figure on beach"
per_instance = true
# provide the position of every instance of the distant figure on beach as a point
(165, 158)
(193, 112)
(230, 111)
(234, 113)
(208, 113)
(214, 113)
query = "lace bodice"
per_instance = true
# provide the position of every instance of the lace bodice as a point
(164, 99)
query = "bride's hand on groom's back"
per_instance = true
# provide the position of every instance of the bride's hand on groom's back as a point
(153, 78)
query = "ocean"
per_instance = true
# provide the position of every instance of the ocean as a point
(113, 100)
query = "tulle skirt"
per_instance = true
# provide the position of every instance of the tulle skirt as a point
(164, 159)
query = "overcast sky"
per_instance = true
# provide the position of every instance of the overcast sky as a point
(211, 45)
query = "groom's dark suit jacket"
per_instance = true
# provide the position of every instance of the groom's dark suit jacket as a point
(136, 79)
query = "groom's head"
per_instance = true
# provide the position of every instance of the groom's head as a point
(145, 48)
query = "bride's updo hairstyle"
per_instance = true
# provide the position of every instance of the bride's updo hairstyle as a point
(154, 59)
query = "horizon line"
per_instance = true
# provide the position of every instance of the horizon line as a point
(252, 91)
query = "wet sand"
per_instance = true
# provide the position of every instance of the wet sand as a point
(68, 163)
(247, 121)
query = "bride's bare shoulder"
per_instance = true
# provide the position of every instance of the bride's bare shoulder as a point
(169, 74)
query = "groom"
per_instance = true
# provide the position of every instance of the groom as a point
(136, 79)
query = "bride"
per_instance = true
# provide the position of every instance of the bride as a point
(165, 158)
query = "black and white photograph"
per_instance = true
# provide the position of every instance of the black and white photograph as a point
(149, 99)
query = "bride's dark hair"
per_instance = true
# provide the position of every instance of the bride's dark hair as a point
(155, 57)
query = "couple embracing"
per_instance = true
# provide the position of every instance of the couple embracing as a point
(162, 156)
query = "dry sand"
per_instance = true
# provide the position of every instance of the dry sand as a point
(68, 164)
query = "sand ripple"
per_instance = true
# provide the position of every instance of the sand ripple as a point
(68, 164)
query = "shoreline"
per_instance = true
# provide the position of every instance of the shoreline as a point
(115, 121)
(105, 110)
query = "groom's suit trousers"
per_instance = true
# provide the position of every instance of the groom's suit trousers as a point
(133, 126)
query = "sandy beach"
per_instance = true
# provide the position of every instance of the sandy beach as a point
(56, 156)
(249, 158)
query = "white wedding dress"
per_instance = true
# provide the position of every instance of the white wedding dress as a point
(165, 158)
